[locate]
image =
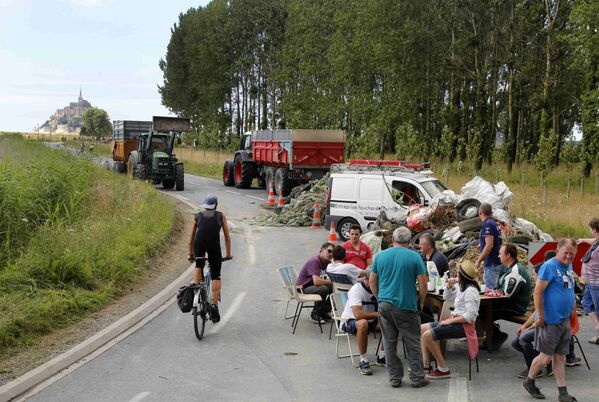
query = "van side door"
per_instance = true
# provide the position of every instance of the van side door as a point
(370, 199)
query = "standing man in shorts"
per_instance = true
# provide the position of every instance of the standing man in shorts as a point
(554, 303)
(205, 239)
(590, 273)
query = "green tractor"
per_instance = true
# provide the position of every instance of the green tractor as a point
(154, 159)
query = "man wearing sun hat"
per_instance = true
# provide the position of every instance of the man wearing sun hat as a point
(205, 239)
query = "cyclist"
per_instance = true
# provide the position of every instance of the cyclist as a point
(205, 238)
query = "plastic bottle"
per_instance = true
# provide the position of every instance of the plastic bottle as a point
(433, 276)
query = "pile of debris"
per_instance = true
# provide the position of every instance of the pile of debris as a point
(299, 206)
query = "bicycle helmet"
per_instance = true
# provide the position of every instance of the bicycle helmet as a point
(210, 202)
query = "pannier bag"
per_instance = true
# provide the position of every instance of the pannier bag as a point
(185, 298)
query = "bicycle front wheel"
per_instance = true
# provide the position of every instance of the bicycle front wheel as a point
(199, 320)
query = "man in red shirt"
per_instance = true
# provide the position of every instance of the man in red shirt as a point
(357, 252)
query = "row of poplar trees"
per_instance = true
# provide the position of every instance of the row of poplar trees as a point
(419, 78)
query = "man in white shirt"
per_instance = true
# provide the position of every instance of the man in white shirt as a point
(361, 315)
(339, 267)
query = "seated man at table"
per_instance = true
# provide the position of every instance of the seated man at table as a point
(339, 267)
(514, 282)
(360, 313)
(429, 252)
(311, 282)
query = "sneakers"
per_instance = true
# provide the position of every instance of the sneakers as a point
(326, 316)
(422, 382)
(214, 314)
(566, 398)
(532, 390)
(577, 361)
(437, 374)
(316, 318)
(381, 361)
(395, 383)
(364, 368)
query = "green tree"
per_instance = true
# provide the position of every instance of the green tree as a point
(96, 123)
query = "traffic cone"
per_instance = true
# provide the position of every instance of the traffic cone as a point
(316, 216)
(332, 234)
(281, 202)
(271, 198)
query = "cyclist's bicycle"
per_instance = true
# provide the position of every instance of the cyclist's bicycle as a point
(202, 300)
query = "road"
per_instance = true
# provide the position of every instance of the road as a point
(252, 355)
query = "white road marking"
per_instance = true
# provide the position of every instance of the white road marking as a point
(228, 314)
(232, 192)
(256, 198)
(251, 247)
(214, 188)
(187, 201)
(139, 397)
(458, 390)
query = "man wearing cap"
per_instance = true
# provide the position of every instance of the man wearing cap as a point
(392, 280)
(205, 238)
(361, 317)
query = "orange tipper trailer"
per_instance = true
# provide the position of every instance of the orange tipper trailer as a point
(125, 136)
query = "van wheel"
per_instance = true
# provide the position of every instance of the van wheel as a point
(343, 227)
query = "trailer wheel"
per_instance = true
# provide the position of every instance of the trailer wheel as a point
(343, 227)
(282, 182)
(228, 174)
(141, 172)
(179, 178)
(131, 168)
(243, 173)
(269, 175)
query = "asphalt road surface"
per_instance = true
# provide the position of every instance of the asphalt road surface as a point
(252, 355)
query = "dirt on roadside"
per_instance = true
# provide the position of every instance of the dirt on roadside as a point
(161, 271)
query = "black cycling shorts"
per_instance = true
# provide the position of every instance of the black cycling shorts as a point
(215, 259)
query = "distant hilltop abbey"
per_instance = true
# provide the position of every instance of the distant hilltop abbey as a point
(69, 119)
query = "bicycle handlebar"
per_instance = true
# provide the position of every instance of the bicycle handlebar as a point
(191, 258)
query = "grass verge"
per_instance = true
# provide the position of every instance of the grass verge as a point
(73, 237)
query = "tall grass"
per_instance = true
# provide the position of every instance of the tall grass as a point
(73, 237)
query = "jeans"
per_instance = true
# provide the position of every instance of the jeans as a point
(323, 306)
(395, 323)
(491, 275)
(524, 344)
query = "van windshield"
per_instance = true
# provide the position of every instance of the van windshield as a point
(433, 187)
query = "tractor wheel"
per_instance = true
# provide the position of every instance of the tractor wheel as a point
(228, 174)
(168, 184)
(243, 173)
(141, 172)
(269, 178)
(179, 177)
(282, 182)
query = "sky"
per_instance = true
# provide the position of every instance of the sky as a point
(49, 49)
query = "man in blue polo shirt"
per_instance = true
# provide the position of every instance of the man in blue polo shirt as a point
(554, 302)
(490, 242)
(393, 281)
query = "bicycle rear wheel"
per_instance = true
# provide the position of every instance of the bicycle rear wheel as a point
(200, 315)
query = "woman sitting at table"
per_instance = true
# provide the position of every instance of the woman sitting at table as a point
(459, 325)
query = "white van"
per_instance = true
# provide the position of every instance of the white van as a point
(356, 194)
